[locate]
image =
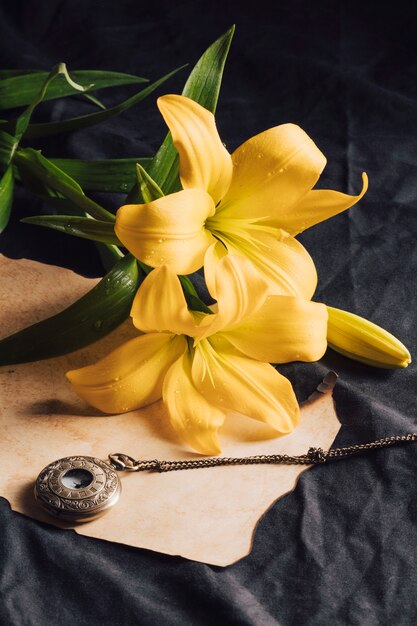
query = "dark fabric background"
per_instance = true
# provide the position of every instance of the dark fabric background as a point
(340, 549)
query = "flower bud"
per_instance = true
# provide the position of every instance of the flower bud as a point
(361, 340)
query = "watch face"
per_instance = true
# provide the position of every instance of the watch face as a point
(77, 488)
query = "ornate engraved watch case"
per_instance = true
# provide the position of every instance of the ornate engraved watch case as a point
(77, 488)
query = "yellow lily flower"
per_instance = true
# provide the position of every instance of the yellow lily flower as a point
(362, 340)
(203, 365)
(254, 201)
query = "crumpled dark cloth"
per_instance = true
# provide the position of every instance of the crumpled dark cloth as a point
(341, 548)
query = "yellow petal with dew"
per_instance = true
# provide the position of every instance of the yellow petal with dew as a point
(357, 338)
(271, 173)
(131, 376)
(237, 286)
(235, 382)
(193, 417)
(169, 230)
(160, 305)
(281, 259)
(204, 161)
(283, 329)
(214, 254)
(319, 205)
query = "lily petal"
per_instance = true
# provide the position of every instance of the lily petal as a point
(280, 258)
(271, 173)
(160, 305)
(236, 383)
(131, 376)
(169, 230)
(214, 254)
(318, 205)
(192, 415)
(204, 161)
(284, 329)
(237, 286)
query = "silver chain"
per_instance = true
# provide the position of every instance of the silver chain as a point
(314, 456)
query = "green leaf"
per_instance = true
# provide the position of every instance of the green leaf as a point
(27, 162)
(64, 193)
(35, 131)
(84, 227)
(94, 100)
(22, 122)
(148, 188)
(6, 197)
(35, 157)
(32, 162)
(203, 86)
(20, 87)
(111, 175)
(109, 255)
(10, 73)
(194, 303)
(87, 320)
(187, 285)
(37, 187)
(8, 144)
